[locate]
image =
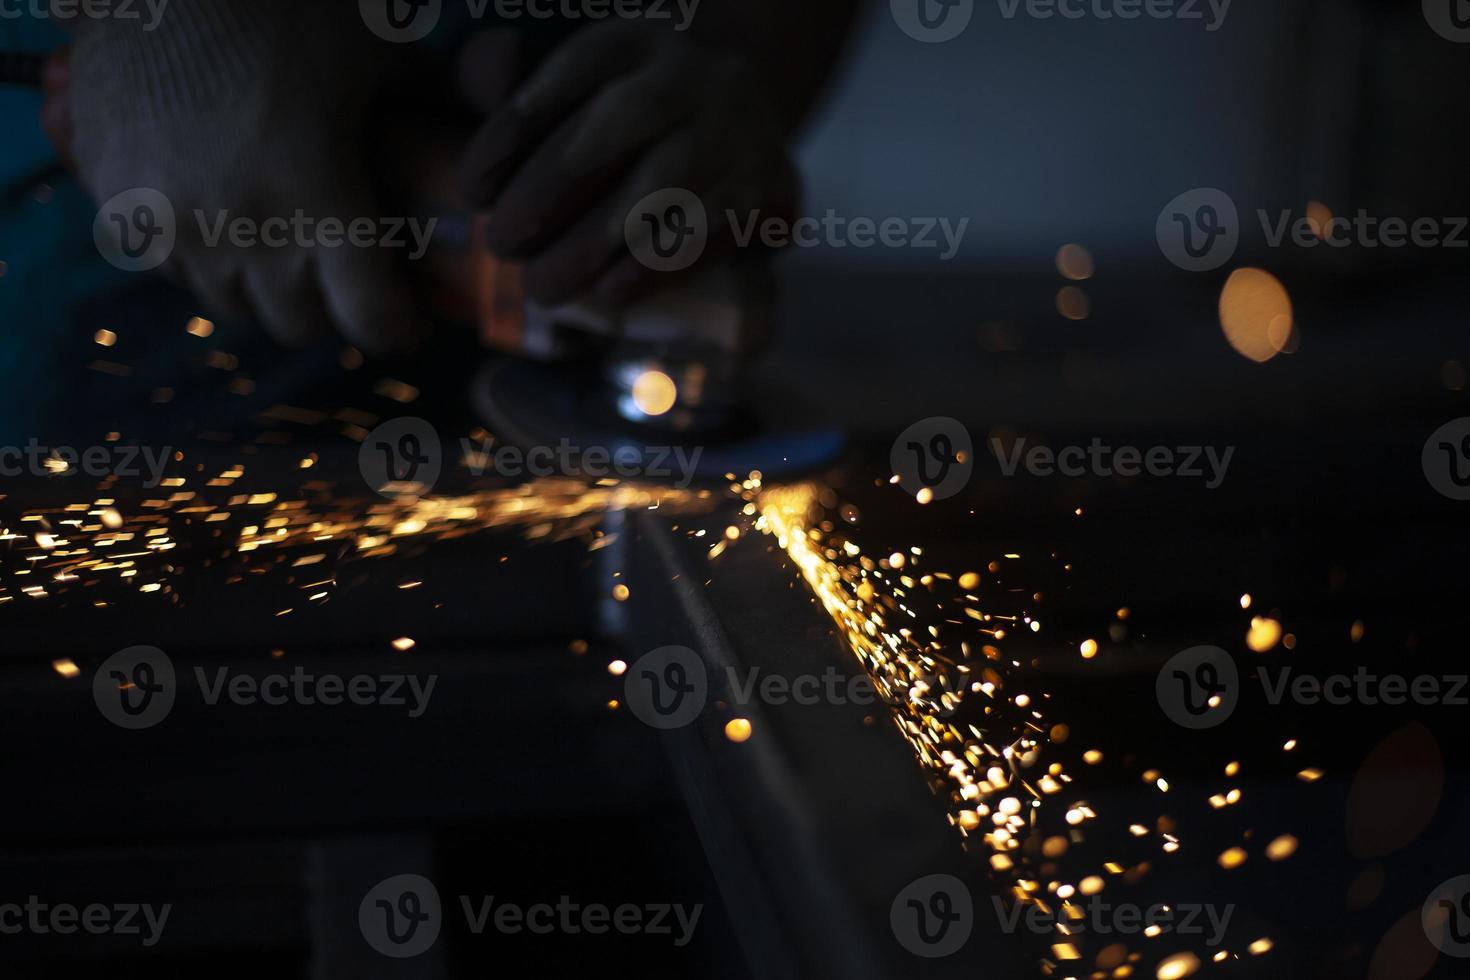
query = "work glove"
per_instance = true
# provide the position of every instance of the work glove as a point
(261, 109)
(625, 116)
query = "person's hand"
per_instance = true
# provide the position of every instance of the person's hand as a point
(619, 112)
(255, 110)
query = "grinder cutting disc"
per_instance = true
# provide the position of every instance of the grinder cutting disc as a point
(565, 410)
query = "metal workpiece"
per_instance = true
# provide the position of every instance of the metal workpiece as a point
(814, 826)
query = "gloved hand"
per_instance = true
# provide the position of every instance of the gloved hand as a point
(621, 111)
(260, 108)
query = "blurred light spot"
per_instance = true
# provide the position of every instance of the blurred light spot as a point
(1319, 216)
(1281, 848)
(738, 730)
(1176, 966)
(1452, 375)
(1404, 953)
(404, 643)
(1073, 304)
(105, 338)
(66, 668)
(1232, 858)
(1262, 945)
(1395, 793)
(200, 327)
(618, 668)
(999, 338)
(1365, 888)
(1075, 262)
(621, 593)
(1254, 308)
(1111, 956)
(1088, 649)
(655, 393)
(1264, 634)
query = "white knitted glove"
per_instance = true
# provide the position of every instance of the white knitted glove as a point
(258, 108)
